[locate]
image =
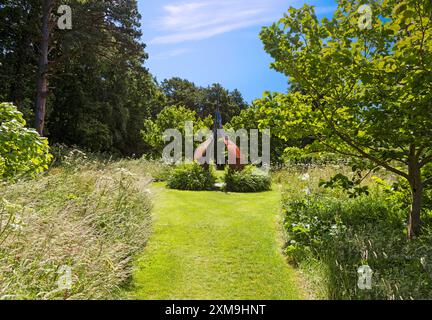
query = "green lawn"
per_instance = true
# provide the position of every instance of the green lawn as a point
(212, 245)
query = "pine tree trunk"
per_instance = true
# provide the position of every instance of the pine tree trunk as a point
(42, 77)
(414, 226)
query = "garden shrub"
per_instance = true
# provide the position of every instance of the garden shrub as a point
(344, 234)
(22, 150)
(246, 180)
(191, 177)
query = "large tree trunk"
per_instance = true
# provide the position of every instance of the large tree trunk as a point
(414, 226)
(42, 77)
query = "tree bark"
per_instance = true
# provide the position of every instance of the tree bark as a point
(42, 77)
(415, 180)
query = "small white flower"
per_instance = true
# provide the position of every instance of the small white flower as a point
(307, 191)
(16, 227)
(305, 177)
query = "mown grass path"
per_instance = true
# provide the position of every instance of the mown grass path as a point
(213, 245)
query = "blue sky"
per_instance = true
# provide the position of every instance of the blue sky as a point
(216, 41)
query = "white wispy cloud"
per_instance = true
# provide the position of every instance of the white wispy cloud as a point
(170, 54)
(198, 20)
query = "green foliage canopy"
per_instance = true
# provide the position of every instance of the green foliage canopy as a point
(22, 150)
(99, 90)
(204, 101)
(261, 118)
(363, 93)
(173, 117)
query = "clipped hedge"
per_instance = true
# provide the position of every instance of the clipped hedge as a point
(246, 181)
(191, 177)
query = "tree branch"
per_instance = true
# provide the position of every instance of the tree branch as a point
(366, 155)
(425, 161)
(427, 181)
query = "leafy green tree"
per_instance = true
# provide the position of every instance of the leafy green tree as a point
(22, 150)
(18, 57)
(99, 91)
(230, 103)
(103, 110)
(204, 101)
(109, 29)
(173, 117)
(256, 117)
(363, 92)
(182, 92)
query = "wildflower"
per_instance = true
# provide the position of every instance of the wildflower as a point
(423, 261)
(307, 191)
(16, 226)
(305, 177)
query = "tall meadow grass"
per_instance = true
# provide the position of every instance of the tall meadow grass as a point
(87, 215)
